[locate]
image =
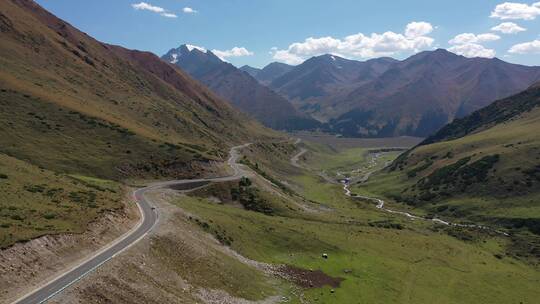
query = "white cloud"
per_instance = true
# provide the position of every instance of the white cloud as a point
(189, 10)
(472, 50)
(359, 45)
(514, 10)
(472, 38)
(468, 45)
(532, 47)
(148, 7)
(234, 52)
(508, 28)
(169, 15)
(156, 9)
(285, 56)
(417, 29)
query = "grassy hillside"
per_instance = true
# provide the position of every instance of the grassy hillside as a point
(499, 112)
(59, 81)
(73, 106)
(35, 201)
(482, 168)
(380, 257)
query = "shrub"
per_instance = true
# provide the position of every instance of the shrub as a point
(386, 224)
(3, 176)
(34, 188)
(442, 208)
(49, 216)
(267, 176)
(75, 197)
(235, 194)
(249, 197)
(415, 171)
(463, 234)
(17, 217)
(445, 174)
(245, 182)
(479, 169)
(53, 192)
(82, 196)
(533, 172)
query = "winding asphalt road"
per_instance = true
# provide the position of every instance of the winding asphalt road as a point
(149, 218)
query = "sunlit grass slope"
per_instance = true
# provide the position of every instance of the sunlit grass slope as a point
(383, 258)
(482, 168)
(63, 91)
(35, 201)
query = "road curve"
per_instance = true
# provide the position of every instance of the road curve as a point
(149, 218)
(296, 158)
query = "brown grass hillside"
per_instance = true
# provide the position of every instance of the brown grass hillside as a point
(69, 101)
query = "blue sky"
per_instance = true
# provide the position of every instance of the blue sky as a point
(256, 32)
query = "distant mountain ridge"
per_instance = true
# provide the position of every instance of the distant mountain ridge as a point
(239, 88)
(307, 80)
(387, 97)
(250, 70)
(269, 73)
(379, 97)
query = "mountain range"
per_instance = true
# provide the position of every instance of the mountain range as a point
(385, 97)
(424, 92)
(240, 88)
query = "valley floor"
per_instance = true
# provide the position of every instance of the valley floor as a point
(229, 242)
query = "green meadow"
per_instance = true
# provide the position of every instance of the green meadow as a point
(382, 258)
